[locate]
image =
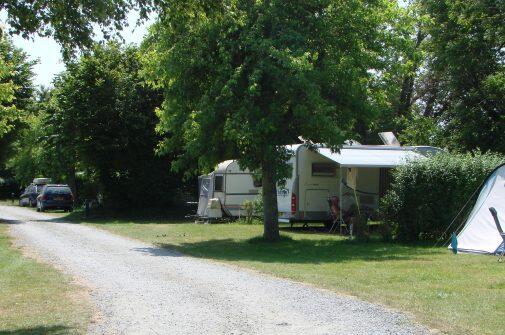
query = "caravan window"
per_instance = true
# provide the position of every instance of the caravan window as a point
(324, 169)
(204, 188)
(219, 183)
(257, 181)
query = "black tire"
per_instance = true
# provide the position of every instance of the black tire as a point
(32, 204)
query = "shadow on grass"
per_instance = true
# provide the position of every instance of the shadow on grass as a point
(301, 251)
(41, 330)
(78, 217)
(311, 245)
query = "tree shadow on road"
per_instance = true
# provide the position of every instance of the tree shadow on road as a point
(158, 252)
(40, 330)
(10, 222)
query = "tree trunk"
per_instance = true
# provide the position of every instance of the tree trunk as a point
(72, 181)
(270, 214)
(405, 101)
(405, 96)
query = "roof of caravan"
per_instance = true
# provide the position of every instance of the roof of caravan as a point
(374, 156)
(221, 167)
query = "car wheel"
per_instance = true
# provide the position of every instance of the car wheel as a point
(33, 203)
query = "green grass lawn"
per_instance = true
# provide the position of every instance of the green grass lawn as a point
(458, 294)
(37, 299)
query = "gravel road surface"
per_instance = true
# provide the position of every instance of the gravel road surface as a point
(141, 289)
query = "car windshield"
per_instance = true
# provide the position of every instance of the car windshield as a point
(57, 190)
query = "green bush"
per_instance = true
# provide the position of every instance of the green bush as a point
(360, 227)
(253, 208)
(427, 194)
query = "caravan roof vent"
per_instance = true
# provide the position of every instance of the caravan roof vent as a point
(41, 181)
(388, 138)
(352, 142)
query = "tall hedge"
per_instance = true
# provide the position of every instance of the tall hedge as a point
(427, 194)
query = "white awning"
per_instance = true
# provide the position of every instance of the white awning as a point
(371, 156)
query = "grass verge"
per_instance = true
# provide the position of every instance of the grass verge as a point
(457, 294)
(37, 299)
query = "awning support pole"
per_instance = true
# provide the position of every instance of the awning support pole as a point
(341, 202)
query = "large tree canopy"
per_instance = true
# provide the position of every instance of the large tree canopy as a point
(7, 109)
(101, 121)
(71, 23)
(458, 93)
(16, 86)
(467, 53)
(244, 78)
(96, 131)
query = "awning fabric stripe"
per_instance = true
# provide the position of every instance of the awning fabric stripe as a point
(371, 157)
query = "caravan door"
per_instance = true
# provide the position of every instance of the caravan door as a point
(206, 193)
(285, 193)
(316, 203)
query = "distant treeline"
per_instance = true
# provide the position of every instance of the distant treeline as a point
(95, 130)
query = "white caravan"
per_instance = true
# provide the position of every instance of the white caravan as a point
(231, 185)
(357, 171)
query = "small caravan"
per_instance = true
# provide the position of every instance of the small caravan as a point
(231, 185)
(356, 172)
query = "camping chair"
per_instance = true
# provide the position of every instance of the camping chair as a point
(499, 253)
(334, 203)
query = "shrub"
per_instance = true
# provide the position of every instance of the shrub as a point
(386, 232)
(253, 208)
(360, 227)
(427, 194)
(249, 211)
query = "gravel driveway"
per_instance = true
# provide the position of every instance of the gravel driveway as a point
(141, 289)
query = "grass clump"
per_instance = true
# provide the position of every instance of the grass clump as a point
(261, 240)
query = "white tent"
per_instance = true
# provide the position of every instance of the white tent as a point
(480, 234)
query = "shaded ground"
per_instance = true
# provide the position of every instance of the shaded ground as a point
(143, 289)
(459, 294)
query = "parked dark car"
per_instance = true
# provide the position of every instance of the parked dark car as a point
(55, 196)
(29, 195)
